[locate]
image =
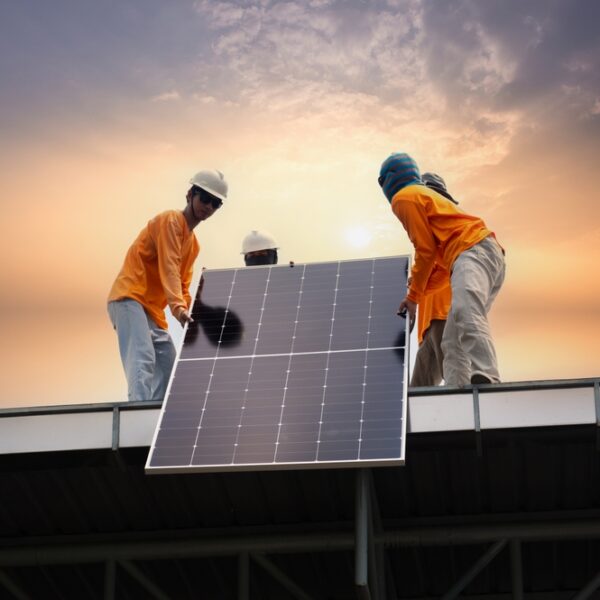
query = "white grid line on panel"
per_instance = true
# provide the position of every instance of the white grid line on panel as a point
(364, 390)
(262, 311)
(337, 281)
(291, 353)
(287, 375)
(210, 377)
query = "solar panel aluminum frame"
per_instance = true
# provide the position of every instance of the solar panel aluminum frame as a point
(309, 464)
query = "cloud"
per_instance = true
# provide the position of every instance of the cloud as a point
(333, 43)
(382, 66)
(166, 96)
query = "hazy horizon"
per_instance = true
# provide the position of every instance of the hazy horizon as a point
(108, 110)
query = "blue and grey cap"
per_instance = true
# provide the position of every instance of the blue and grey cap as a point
(398, 171)
(437, 183)
(434, 180)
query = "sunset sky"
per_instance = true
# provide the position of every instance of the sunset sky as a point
(108, 108)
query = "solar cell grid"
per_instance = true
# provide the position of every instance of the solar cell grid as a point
(289, 367)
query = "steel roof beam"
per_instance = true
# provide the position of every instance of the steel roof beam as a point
(120, 548)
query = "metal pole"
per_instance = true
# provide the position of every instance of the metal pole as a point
(372, 559)
(477, 421)
(379, 556)
(589, 589)
(148, 585)
(243, 577)
(12, 587)
(110, 580)
(361, 574)
(281, 577)
(597, 401)
(516, 569)
(479, 565)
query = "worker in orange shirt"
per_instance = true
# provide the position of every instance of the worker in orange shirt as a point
(157, 272)
(450, 245)
(431, 316)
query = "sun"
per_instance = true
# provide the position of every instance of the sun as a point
(357, 236)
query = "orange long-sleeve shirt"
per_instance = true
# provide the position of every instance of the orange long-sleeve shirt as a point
(439, 231)
(433, 306)
(158, 267)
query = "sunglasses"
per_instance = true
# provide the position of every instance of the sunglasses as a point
(209, 199)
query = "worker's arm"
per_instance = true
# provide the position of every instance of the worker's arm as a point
(169, 242)
(185, 286)
(411, 214)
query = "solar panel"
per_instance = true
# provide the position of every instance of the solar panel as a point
(289, 367)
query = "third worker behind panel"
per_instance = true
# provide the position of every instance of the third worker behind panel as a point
(259, 248)
(431, 316)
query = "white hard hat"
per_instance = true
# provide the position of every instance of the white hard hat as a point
(211, 181)
(258, 240)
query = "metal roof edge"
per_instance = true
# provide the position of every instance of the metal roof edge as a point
(499, 406)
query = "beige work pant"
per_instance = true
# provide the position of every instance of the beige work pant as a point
(429, 359)
(477, 276)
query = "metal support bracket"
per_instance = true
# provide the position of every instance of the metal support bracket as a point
(597, 400)
(116, 427)
(477, 567)
(597, 406)
(477, 421)
(589, 589)
(12, 587)
(145, 582)
(281, 577)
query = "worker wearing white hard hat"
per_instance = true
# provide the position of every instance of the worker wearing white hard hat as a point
(157, 272)
(259, 248)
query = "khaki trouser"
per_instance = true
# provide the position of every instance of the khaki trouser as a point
(429, 359)
(477, 276)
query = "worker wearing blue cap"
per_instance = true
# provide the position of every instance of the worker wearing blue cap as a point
(450, 246)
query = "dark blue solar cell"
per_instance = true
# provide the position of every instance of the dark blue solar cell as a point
(299, 432)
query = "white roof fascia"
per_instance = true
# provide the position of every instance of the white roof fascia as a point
(501, 406)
